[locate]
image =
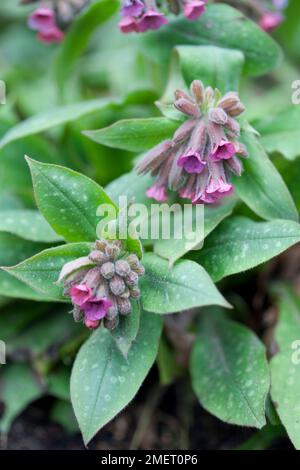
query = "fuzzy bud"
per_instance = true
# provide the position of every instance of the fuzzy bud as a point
(187, 107)
(92, 278)
(181, 94)
(236, 110)
(108, 270)
(198, 91)
(77, 314)
(135, 293)
(233, 126)
(117, 285)
(184, 131)
(132, 279)
(122, 267)
(218, 116)
(112, 251)
(98, 257)
(229, 100)
(111, 324)
(124, 306)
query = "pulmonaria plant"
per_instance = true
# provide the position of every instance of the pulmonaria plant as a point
(102, 285)
(141, 15)
(204, 150)
(52, 17)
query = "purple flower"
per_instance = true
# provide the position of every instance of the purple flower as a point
(193, 9)
(96, 308)
(157, 192)
(128, 24)
(191, 162)
(222, 151)
(152, 19)
(132, 8)
(42, 19)
(80, 294)
(216, 189)
(270, 20)
(91, 324)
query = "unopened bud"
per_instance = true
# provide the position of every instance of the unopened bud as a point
(229, 100)
(235, 165)
(236, 110)
(209, 94)
(117, 285)
(135, 293)
(184, 131)
(218, 116)
(180, 94)
(108, 270)
(111, 324)
(187, 107)
(124, 306)
(100, 245)
(241, 149)
(122, 267)
(132, 279)
(198, 91)
(92, 278)
(98, 257)
(133, 260)
(233, 126)
(126, 294)
(77, 314)
(112, 251)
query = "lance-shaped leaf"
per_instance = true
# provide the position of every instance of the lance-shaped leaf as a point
(285, 365)
(184, 286)
(52, 118)
(281, 133)
(41, 272)
(135, 135)
(103, 382)
(78, 36)
(27, 224)
(220, 26)
(229, 370)
(68, 200)
(238, 244)
(261, 186)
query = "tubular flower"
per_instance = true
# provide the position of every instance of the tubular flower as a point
(52, 17)
(141, 15)
(204, 150)
(102, 284)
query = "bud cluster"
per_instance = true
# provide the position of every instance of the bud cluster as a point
(52, 17)
(102, 284)
(197, 162)
(141, 15)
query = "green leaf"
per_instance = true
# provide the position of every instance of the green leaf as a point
(42, 270)
(54, 117)
(135, 135)
(280, 133)
(103, 382)
(15, 378)
(239, 244)
(220, 26)
(68, 200)
(132, 186)
(27, 224)
(229, 370)
(261, 187)
(78, 37)
(184, 286)
(127, 330)
(285, 371)
(58, 382)
(173, 249)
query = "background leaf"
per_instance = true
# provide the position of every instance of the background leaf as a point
(229, 371)
(103, 382)
(127, 330)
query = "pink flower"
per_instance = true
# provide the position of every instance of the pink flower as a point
(91, 324)
(222, 151)
(270, 20)
(191, 162)
(96, 308)
(54, 35)
(216, 189)
(128, 24)
(194, 9)
(152, 19)
(132, 8)
(157, 192)
(42, 19)
(80, 294)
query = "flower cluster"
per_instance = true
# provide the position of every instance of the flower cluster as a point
(102, 284)
(140, 15)
(198, 160)
(52, 17)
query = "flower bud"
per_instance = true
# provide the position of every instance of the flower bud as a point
(122, 267)
(132, 279)
(229, 100)
(124, 306)
(133, 260)
(198, 91)
(92, 278)
(112, 251)
(98, 257)
(180, 94)
(126, 294)
(111, 324)
(218, 116)
(233, 126)
(236, 110)
(77, 314)
(117, 285)
(135, 293)
(184, 131)
(100, 245)
(108, 270)
(187, 107)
